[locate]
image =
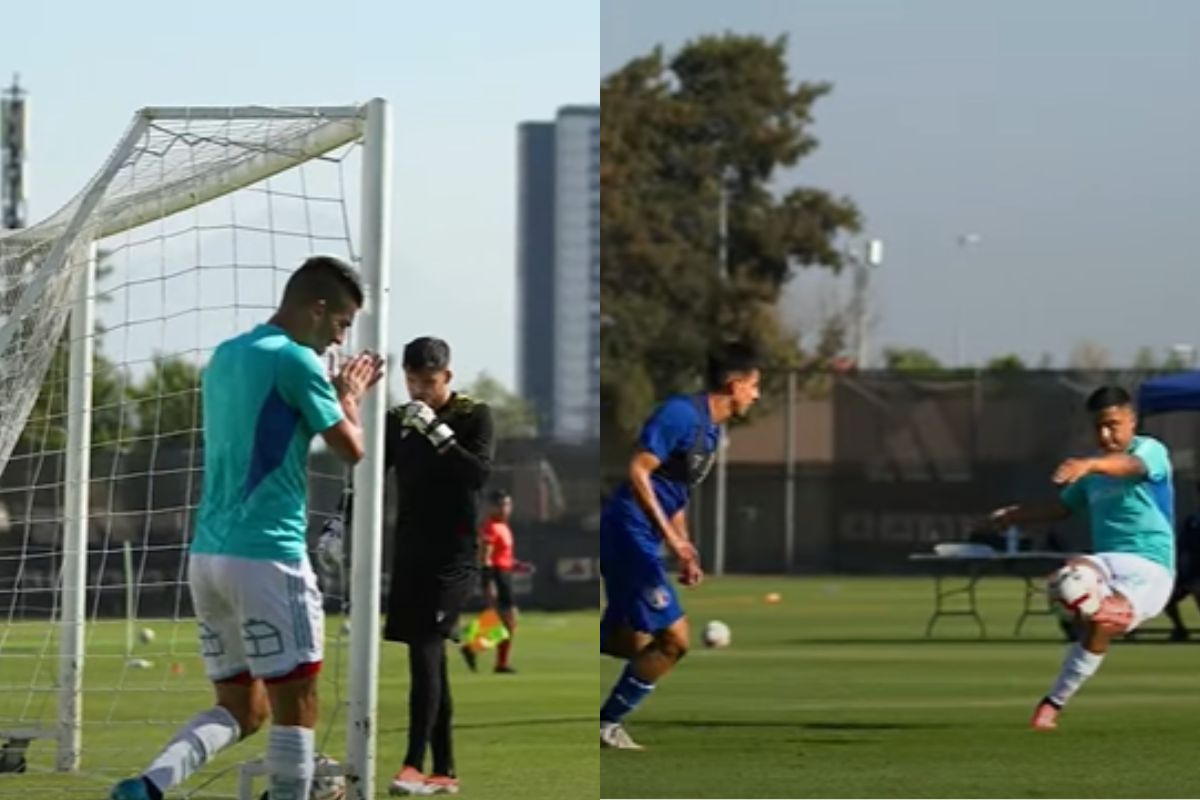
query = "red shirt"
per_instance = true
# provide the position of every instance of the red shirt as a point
(499, 538)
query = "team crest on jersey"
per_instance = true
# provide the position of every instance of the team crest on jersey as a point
(658, 598)
(699, 464)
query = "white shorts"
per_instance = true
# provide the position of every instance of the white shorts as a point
(1146, 584)
(261, 617)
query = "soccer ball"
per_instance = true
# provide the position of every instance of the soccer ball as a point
(324, 787)
(146, 635)
(1076, 591)
(716, 634)
(327, 787)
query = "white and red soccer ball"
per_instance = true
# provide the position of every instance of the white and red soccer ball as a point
(1076, 591)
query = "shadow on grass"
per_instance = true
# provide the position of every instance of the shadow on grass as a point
(1005, 641)
(968, 640)
(798, 726)
(535, 722)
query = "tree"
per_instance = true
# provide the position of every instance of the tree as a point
(1145, 359)
(46, 427)
(910, 359)
(1088, 355)
(512, 415)
(1175, 361)
(1010, 362)
(166, 403)
(680, 139)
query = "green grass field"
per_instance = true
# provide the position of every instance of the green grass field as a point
(532, 734)
(836, 693)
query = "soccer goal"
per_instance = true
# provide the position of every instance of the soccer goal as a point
(109, 310)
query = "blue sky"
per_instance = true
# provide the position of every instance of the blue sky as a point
(460, 77)
(1063, 133)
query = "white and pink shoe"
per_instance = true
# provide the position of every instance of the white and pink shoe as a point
(1045, 717)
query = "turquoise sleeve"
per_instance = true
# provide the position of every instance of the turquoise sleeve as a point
(303, 386)
(1154, 455)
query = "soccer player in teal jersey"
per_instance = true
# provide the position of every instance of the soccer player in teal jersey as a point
(265, 395)
(1126, 491)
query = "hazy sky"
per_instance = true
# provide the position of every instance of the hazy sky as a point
(1064, 133)
(460, 77)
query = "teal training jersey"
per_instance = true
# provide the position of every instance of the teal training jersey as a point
(1131, 515)
(264, 398)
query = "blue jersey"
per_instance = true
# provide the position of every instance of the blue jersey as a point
(681, 434)
(1131, 515)
(640, 596)
(264, 398)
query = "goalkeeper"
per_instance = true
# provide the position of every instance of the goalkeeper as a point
(440, 446)
(265, 396)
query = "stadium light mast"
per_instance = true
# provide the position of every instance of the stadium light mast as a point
(14, 125)
(870, 256)
(727, 178)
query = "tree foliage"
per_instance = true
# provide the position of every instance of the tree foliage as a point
(166, 404)
(910, 359)
(719, 119)
(512, 415)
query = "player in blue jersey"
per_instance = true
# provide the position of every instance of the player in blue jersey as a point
(1126, 492)
(643, 623)
(265, 395)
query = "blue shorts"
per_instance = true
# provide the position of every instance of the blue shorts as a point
(639, 592)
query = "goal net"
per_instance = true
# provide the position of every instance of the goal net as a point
(109, 311)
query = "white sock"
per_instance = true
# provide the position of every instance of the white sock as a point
(201, 738)
(1078, 666)
(290, 762)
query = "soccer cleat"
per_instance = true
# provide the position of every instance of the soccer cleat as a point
(468, 655)
(505, 670)
(408, 781)
(130, 789)
(441, 784)
(613, 735)
(1045, 717)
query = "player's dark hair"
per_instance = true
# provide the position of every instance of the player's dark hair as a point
(324, 278)
(1108, 397)
(497, 496)
(426, 352)
(728, 359)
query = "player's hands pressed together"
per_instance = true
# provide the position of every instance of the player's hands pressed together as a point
(1072, 470)
(359, 374)
(420, 417)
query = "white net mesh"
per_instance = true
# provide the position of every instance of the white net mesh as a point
(198, 224)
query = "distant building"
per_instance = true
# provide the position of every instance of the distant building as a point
(558, 271)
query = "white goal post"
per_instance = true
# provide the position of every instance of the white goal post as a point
(198, 215)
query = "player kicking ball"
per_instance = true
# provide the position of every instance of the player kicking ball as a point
(1127, 494)
(643, 623)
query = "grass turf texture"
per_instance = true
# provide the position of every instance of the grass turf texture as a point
(530, 735)
(835, 692)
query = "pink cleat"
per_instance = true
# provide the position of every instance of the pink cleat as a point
(1045, 718)
(408, 781)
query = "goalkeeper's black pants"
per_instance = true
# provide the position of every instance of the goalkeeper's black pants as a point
(429, 706)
